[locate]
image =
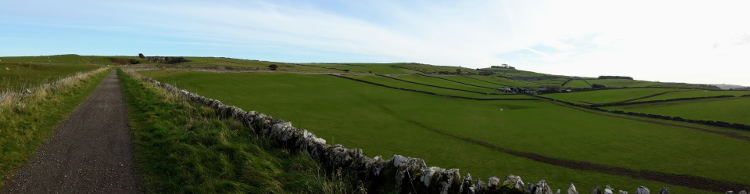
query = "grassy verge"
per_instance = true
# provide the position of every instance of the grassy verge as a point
(26, 123)
(182, 147)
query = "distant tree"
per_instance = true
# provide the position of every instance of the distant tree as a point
(346, 70)
(273, 67)
(140, 55)
(370, 72)
(458, 71)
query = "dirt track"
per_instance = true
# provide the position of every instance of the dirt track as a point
(90, 152)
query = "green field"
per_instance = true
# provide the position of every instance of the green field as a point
(15, 77)
(436, 81)
(472, 81)
(621, 83)
(376, 68)
(505, 81)
(431, 69)
(608, 96)
(554, 81)
(733, 110)
(386, 121)
(577, 84)
(696, 93)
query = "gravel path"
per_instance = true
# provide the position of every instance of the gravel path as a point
(90, 152)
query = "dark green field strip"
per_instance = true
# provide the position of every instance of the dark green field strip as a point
(504, 81)
(697, 93)
(471, 82)
(493, 84)
(726, 134)
(425, 92)
(629, 102)
(435, 86)
(641, 98)
(694, 182)
(450, 80)
(720, 109)
(608, 95)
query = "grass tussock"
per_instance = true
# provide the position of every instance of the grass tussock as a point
(27, 120)
(182, 147)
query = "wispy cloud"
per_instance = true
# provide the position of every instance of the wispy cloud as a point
(665, 40)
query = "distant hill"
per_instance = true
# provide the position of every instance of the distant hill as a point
(730, 86)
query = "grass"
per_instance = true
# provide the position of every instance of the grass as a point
(608, 96)
(15, 77)
(444, 83)
(553, 81)
(733, 110)
(473, 81)
(432, 69)
(505, 81)
(384, 121)
(696, 93)
(26, 123)
(407, 85)
(622, 83)
(378, 68)
(181, 147)
(577, 84)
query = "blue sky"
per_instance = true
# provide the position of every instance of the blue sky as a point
(679, 41)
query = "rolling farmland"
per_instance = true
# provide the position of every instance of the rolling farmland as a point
(385, 121)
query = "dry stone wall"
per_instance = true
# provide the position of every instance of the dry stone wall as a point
(405, 174)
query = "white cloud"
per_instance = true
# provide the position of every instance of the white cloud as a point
(664, 40)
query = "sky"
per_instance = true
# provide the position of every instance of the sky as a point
(669, 41)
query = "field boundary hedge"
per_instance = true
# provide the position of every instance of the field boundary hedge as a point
(655, 116)
(406, 173)
(429, 93)
(658, 101)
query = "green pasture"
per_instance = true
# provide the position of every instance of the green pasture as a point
(15, 77)
(696, 93)
(385, 121)
(468, 80)
(436, 81)
(553, 81)
(577, 84)
(621, 83)
(432, 69)
(505, 81)
(733, 110)
(376, 68)
(401, 84)
(608, 95)
(684, 85)
(211, 61)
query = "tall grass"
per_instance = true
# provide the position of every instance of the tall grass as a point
(183, 147)
(27, 120)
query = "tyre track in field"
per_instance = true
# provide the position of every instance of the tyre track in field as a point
(726, 134)
(688, 181)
